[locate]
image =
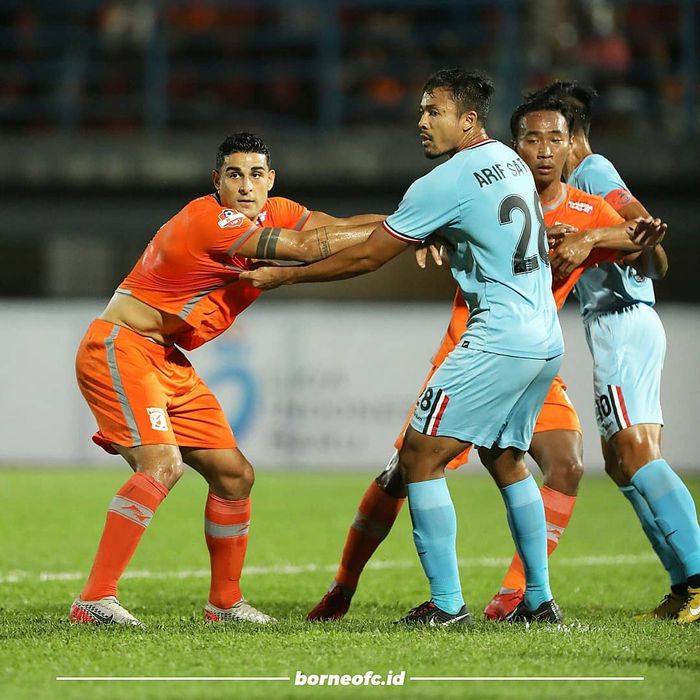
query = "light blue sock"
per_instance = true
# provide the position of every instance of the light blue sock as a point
(674, 511)
(525, 513)
(435, 532)
(672, 564)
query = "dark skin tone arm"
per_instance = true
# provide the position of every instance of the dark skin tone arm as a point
(571, 249)
(356, 260)
(652, 262)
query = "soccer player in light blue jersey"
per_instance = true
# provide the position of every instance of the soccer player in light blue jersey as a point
(490, 388)
(628, 344)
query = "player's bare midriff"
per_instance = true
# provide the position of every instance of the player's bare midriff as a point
(124, 310)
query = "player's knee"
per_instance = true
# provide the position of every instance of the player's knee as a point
(565, 474)
(247, 475)
(634, 448)
(167, 473)
(233, 480)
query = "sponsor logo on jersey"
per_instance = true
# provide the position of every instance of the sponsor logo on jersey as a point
(158, 419)
(580, 206)
(230, 218)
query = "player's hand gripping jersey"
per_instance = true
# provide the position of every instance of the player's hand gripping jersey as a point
(143, 393)
(576, 208)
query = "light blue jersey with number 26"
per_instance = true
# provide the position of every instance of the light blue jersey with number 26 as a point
(483, 201)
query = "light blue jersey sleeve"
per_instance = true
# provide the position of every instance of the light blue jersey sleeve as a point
(595, 174)
(429, 204)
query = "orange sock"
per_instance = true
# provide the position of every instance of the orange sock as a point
(128, 515)
(372, 523)
(226, 526)
(558, 508)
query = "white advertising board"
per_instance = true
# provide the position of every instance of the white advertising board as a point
(304, 385)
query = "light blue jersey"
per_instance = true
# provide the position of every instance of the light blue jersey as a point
(483, 201)
(608, 286)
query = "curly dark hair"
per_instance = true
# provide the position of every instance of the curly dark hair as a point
(241, 142)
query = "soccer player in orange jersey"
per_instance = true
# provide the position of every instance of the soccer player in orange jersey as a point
(150, 405)
(541, 133)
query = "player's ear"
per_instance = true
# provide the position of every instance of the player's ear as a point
(469, 120)
(270, 179)
(216, 178)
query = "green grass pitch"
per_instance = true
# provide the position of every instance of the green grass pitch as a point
(602, 573)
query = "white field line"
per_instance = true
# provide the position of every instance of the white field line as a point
(293, 569)
(577, 679)
(171, 679)
(288, 678)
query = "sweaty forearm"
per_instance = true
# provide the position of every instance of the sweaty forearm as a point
(613, 237)
(325, 241)
(351, 262)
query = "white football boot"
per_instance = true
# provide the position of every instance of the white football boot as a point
(240, 612)
(105, 611)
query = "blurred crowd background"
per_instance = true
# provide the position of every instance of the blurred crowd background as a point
(111, 112)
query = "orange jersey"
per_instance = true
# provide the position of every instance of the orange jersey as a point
(584, 211)
(191, 266)
(574, 207)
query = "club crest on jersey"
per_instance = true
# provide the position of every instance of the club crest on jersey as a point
(158, 419)
(230, 218)
(261, 217)
(581, 206)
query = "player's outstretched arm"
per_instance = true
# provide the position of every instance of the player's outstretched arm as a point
(574, 248)
(303, 246)
(627, 237)
(320, 218)
(356, 260)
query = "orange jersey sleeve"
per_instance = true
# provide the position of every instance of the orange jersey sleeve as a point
(284, 213)
(455, 330)
(585, 211)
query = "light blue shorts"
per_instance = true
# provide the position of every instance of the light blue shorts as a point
(485, 399)
(628, 349)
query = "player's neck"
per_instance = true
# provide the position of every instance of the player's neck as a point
(550, 193)
(472, 138)
(580, 149)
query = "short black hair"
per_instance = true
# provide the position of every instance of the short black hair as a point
(241, 142)
(542, 104)
(471, 90)
(580, 97)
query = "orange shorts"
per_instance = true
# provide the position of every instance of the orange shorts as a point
(558, 413)
(142, 393)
